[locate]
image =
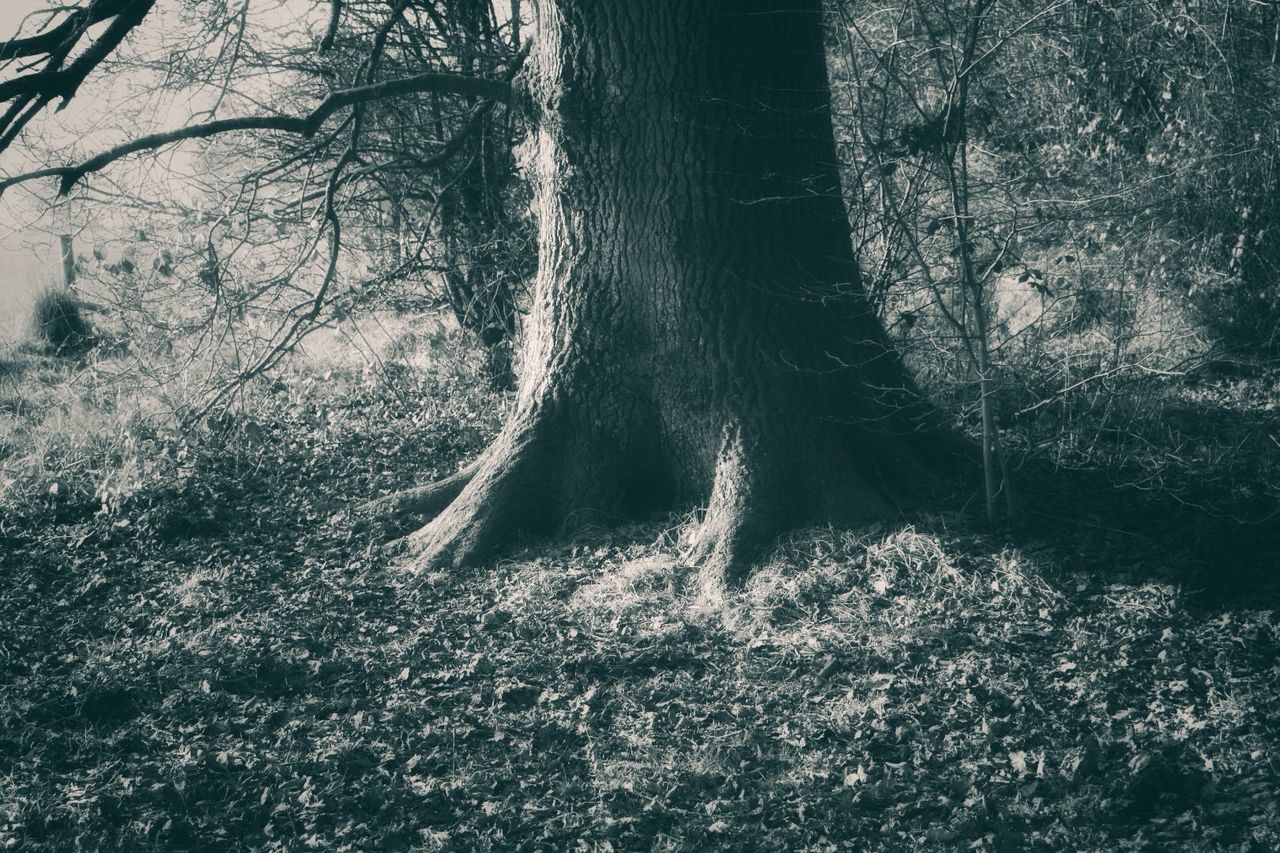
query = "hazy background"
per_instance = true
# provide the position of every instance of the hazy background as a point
(23, 272)
(27, 260)
(108, 109)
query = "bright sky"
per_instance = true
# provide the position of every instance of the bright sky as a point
(107, 110)
(12, 254)
(13, 11)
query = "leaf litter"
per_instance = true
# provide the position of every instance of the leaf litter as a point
(280, 684)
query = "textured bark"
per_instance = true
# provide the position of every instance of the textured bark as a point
(699, 336)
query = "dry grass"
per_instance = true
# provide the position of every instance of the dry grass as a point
(83, 436)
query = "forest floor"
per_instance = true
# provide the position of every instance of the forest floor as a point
(210, 658)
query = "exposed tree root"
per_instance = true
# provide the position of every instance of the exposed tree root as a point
(739, 519)
(499, 500)
(543, 472)
(762, 489)
(400, 513)
(536, 477)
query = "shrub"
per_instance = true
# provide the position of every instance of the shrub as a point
(1241, 318)
(59, 323)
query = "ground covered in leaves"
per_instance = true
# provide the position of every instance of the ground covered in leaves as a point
(223, 663)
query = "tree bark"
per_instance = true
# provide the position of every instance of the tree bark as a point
(699, 336)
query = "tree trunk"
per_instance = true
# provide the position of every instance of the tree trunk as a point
(699, 336)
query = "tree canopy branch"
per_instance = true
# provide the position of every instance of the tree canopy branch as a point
(331, 30)
(308, 125)
(65, 33)
(54, 81)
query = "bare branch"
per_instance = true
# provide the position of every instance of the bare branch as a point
(54, 81)
(331, 31)
(308, 125)
(65, 33)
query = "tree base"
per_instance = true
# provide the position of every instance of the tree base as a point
(530, 482)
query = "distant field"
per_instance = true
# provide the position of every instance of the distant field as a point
(22, 275)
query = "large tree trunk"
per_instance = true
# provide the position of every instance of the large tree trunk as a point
(699, 336)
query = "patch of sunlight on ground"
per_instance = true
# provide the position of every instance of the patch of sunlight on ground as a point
(376, 338)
